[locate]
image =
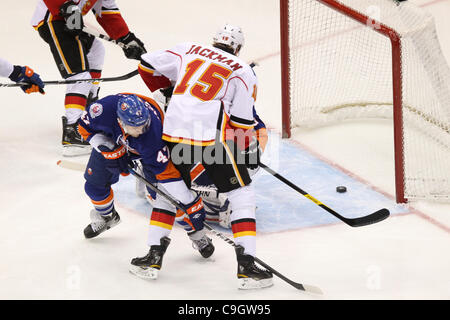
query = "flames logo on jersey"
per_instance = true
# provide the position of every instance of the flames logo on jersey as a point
(87, 6)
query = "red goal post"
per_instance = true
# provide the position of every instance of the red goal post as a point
(357, 41)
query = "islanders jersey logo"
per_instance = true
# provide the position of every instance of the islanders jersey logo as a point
(124, 106)
(95, 110)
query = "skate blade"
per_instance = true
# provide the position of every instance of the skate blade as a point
(249, 283)
(113, 224)
(71, 150)
(88, 235)
(144, 273)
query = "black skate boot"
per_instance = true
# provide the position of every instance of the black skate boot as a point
(147, 267)
(101, 223)
(72, 142)
(203, 245)
(250, 276)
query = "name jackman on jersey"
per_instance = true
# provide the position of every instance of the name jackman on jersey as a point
(213, 55)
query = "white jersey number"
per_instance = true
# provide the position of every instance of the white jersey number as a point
(163, 155)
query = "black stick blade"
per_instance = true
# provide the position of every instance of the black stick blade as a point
(375, 217)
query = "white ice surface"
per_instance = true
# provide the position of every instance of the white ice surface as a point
(43, 208)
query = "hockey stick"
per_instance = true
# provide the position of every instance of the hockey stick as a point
(307, 288)
(77, 166)
(104, 37)
(57, 82)
(299, 286)
(375, 217)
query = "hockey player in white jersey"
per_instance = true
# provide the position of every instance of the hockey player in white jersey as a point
(210, 121)
(217, 205)
(79, 56)
(22, 74)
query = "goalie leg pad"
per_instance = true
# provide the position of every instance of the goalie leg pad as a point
(217, 206)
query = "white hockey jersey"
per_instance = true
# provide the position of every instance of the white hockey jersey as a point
(6, 68)
(210, 85)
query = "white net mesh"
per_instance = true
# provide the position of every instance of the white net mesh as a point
(342, 69)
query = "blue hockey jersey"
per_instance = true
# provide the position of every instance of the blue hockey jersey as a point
(100, 120)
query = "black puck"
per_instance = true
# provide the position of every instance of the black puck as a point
(341, 189)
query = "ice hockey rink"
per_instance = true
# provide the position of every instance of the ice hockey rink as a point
(43, 208)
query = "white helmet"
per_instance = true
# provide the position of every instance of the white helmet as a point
(230, 36)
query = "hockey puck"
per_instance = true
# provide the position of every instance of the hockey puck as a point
(341, 189)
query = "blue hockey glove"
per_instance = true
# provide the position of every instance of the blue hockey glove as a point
(26, 74)
(117, 159)
(196, 213)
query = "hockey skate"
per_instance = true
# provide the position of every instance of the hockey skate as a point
(147, 267)
(250, 276)
(203, 245)
(101, 223)
(72, 142)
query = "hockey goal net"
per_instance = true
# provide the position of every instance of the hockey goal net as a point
(351, 59)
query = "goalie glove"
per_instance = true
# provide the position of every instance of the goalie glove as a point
(134, 48)
(73, 17)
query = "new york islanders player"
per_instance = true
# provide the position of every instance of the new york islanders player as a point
(22, 74)
(79, 56)
(210, 120)
(126, 127)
